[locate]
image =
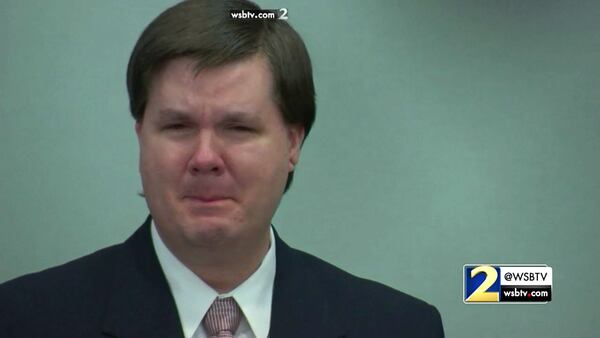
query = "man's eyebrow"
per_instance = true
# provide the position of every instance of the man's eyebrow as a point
(226, 116)
(170, 114)
(240, 116)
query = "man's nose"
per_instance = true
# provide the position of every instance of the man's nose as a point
(207, 156)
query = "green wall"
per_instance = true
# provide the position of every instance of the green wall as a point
(448, 132)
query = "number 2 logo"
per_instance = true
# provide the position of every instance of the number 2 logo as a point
(481, 294)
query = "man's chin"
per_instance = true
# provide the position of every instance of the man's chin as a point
(209, 232)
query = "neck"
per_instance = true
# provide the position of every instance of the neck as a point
(223, 266)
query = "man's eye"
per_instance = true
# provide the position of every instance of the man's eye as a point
(175, 126)
(242, 128)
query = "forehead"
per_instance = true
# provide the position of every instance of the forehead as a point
(245, 82)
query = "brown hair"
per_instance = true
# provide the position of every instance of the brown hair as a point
(205, 31)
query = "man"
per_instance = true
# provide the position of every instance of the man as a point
(221, 110)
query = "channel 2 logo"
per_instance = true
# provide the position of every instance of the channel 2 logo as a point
(494, 283)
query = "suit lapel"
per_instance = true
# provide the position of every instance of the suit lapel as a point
(301, 301)
(141, 304)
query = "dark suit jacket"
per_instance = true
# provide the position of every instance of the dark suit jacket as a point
(122, 292)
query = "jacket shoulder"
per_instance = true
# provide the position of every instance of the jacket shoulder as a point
(71, 276)
(59, 295)
(369, 306)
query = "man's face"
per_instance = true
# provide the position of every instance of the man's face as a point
(215, 152)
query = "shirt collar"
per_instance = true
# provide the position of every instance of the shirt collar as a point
(193, 296)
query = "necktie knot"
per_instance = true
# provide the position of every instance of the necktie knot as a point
(222, 318)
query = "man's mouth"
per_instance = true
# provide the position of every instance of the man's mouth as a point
(206, 198)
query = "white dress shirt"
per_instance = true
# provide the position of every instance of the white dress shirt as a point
(193, 296)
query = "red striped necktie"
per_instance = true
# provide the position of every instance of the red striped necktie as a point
(222, 318)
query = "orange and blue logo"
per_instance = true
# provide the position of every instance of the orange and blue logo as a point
(490, 283)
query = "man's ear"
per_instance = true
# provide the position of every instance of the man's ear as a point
(138, 133)
(295, 138)
(138, 128)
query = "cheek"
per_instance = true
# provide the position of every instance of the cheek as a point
(161, 167)
(261, 166)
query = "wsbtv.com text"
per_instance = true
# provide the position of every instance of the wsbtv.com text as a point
(262, 14)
